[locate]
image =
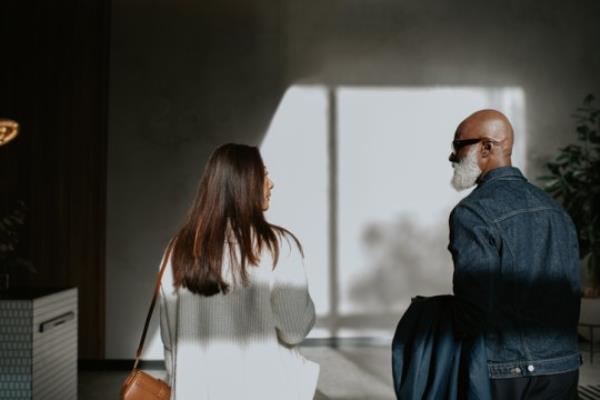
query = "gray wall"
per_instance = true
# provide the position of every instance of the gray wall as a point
(549, 49)
(184, 78)
(187, 76)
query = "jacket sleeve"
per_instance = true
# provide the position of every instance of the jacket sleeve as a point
(473, 245)
(293, 308)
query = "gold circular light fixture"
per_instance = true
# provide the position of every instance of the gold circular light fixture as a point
(9, 129)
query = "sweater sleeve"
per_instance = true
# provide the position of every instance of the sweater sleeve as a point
(168, 309)
(293, 308)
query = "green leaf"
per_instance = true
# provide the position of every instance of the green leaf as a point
(573, 149)
(550, 183)
(563, 157)
(554, 168)
(582, 128)
(588, 100)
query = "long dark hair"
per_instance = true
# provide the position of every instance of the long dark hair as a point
(227, 213)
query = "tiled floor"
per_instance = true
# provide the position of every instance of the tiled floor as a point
(589, 374)
(347, 373)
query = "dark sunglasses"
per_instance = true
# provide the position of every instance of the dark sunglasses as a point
(459, 144)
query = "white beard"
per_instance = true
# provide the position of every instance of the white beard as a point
(466, 172)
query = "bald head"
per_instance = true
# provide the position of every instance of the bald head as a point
(490, 124)
(492, 134)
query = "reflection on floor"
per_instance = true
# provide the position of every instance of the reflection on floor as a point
(347, 373)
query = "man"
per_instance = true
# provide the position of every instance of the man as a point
(516, 267)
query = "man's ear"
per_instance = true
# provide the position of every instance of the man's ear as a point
(486, 149)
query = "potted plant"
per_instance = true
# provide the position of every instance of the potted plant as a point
(574, 180)
(10, 229)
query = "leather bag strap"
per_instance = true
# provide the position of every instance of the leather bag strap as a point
(138, 354)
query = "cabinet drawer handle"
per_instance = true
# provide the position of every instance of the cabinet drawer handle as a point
(56, 321)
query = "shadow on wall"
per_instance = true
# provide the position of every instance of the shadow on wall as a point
(407, 259)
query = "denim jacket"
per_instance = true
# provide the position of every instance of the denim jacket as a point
(516, 269)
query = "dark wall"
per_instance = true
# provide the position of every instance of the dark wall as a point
(186, 76)
(54, 76)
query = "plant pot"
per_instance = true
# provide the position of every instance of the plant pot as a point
(590, 314)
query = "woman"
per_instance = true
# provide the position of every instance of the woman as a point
(234, 296)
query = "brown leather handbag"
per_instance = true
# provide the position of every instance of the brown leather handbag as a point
(140, 385)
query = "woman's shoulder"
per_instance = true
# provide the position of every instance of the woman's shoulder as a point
(289, 245)
(167, 280)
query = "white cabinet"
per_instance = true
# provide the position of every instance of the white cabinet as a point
(38, 344)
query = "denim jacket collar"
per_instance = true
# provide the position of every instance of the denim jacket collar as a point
(502, 173)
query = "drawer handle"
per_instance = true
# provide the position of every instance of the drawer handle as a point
(56, 321)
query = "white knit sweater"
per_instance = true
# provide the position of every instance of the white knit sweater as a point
(240, 345)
